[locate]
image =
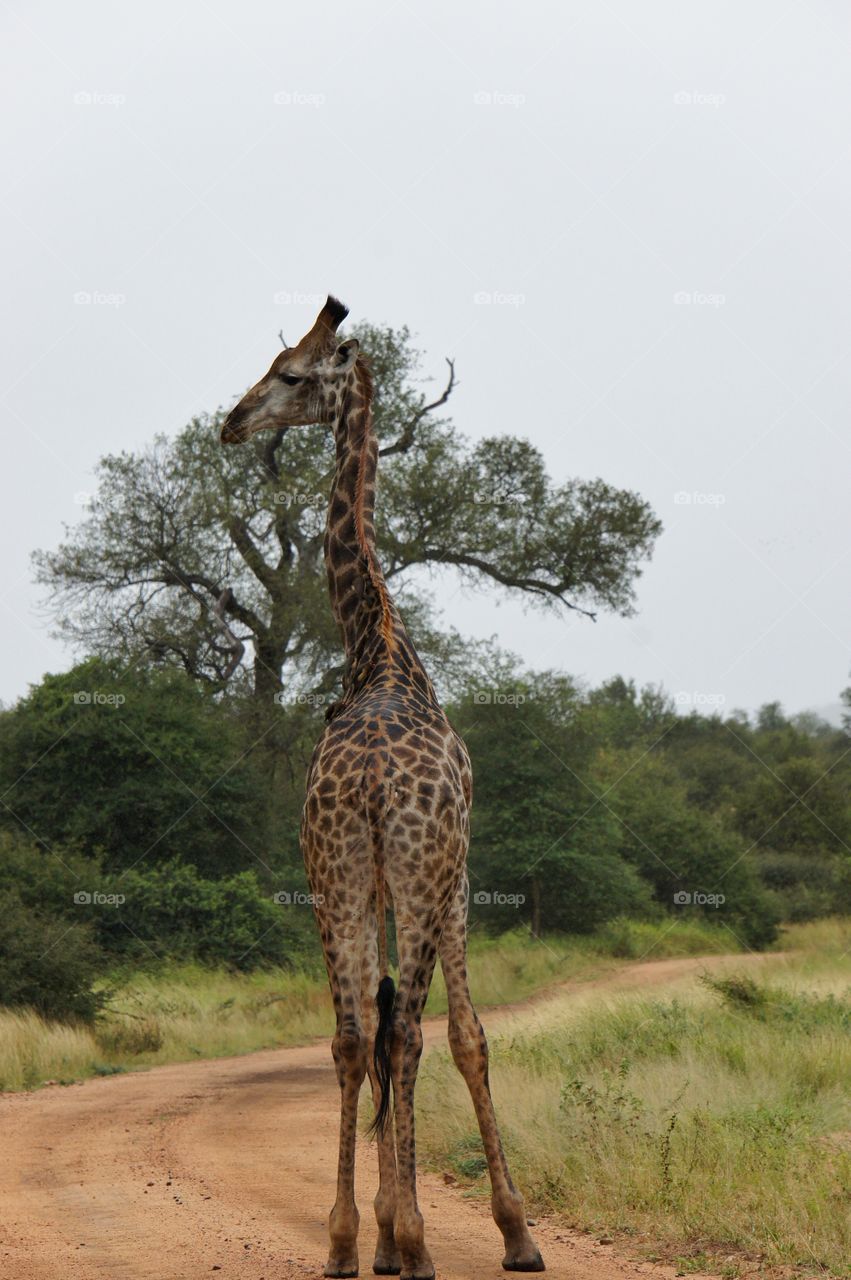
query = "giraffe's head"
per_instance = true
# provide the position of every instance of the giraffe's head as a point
(300, 388)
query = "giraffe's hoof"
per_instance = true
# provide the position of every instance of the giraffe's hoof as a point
(529, 1261)
(424, 1273)
(340, 1270)
(382, 1268)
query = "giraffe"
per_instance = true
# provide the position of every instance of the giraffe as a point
(385, 821)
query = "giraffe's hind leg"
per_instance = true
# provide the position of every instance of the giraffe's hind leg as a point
(417, 935)
(388, 1260)
(470, 1052)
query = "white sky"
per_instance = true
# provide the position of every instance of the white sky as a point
(581, 163)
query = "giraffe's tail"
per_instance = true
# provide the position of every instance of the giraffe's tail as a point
(384, 1001)
(378, 802)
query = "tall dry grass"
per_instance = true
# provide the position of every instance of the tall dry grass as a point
(714, 1120)
(178, 1012)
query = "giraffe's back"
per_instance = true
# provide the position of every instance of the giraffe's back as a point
(394, 771)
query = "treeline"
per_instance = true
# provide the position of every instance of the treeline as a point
(610, 801)
(144, 819)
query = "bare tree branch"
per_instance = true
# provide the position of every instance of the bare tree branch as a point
(406, 439)
(534, 586)
(234, 644)
(245, 545)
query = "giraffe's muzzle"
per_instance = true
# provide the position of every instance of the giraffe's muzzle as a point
(234, 428)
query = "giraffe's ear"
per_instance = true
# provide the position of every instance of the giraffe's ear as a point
(346, 354)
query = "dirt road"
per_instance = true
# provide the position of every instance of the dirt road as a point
(228, 1167)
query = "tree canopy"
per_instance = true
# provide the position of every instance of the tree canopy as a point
(210, 559)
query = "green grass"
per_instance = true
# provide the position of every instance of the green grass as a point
(170, 1014)
(711, 1117)
(179, 1012)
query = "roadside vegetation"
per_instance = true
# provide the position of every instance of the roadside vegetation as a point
(708, 1123)
(178, 1011)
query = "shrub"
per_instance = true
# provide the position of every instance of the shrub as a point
(45, 963)
(132, 764)
(49, 957)
(171, 910)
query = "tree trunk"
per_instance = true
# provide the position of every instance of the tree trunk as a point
(268, 685)
(267, 730)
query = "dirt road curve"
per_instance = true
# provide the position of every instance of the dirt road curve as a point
(227, 1168)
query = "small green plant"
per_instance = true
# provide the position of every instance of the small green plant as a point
(738, 990)
(609, 1104)
(467, 1157)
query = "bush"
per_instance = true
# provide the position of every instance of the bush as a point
(171, 910)
(45, 963)
(125, 765)
(49, 957)
(804, 1010)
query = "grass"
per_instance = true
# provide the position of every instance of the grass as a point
(175, 1013)
(166, 1015)
(708, 1120)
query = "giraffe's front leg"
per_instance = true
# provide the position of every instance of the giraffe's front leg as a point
(349, 1050)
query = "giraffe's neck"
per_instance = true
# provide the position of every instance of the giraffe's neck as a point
(360, 600)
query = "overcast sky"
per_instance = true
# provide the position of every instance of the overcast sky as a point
(654, 198)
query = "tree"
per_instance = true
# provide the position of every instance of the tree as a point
(210, 559)
(543, 850)
(694, 863)
(49, 955)
(845, 698)
(133, 767)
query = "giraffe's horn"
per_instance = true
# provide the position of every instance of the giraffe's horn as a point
(333, 313)
(325, 325)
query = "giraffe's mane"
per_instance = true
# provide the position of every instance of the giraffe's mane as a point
(375, 575)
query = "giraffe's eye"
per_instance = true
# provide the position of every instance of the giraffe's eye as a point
(291, 379)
